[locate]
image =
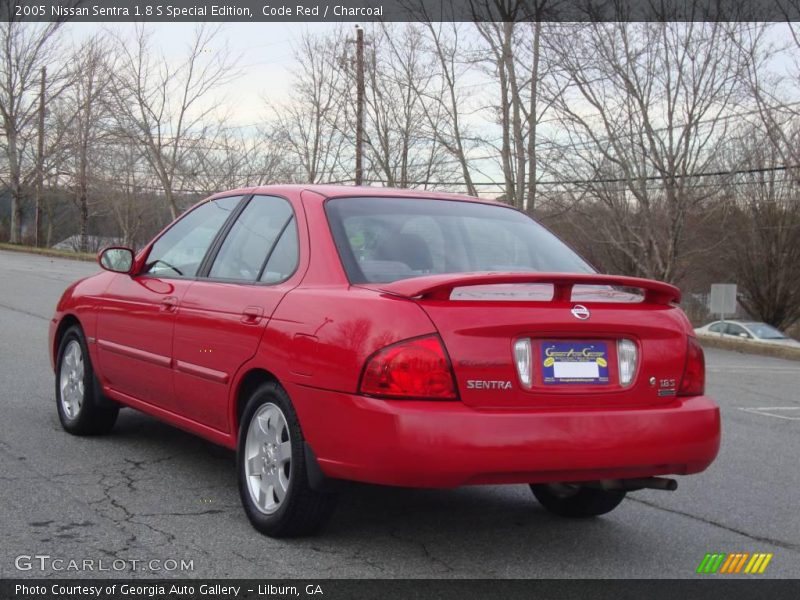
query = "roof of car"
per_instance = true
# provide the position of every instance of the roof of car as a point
(730, 320)
(334, 191)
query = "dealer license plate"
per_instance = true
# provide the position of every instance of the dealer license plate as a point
(568, 362)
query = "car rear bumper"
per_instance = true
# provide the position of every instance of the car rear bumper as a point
(447, 444)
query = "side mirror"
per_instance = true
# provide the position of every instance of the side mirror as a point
(116, 259)
(743, 335)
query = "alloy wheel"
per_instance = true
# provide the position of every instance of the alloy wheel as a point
(71, 380)
(268, 458)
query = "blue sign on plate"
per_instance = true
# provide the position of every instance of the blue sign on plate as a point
(574, 362)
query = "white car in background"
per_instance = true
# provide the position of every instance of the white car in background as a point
(751, 331)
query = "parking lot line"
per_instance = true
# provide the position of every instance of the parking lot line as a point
(767, 411)
(759, 368)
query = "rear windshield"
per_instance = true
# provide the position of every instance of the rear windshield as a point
(381, 240)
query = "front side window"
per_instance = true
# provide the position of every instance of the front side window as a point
(179, 252)
(259, 245)
(737, 330)
(381, 240)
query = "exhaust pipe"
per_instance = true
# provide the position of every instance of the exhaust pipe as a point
(653, 483)
(630, 485)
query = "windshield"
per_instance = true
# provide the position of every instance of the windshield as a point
(381, 240)
(765, 332)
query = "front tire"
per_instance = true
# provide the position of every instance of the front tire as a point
(271, 465)
(77, 392)
(575, 501)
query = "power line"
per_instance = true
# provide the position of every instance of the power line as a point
(500, 185)
(676, 176)
(604, 180)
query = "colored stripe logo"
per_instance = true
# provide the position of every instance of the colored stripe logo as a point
(738, 562)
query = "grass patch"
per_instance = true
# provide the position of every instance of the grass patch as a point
(85, 256)
(750, 347)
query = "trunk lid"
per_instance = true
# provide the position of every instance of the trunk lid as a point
(573, 326)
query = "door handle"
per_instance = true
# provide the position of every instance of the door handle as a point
(252, 315)
(169, 304)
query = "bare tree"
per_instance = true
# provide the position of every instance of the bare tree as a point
(444, 103)
(123, 165)
(515, 64)
(400, 151)
(26, 48)
(499, 37)
(167, 109)
(765, 253)
(241, 158)
(309, 123)
(764, 248)
(318, 125)
(128, 197)
(644, 114)
(776, 108)
(88, 96)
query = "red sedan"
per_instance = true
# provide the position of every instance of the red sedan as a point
(392, 337)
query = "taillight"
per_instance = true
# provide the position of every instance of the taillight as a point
(627, 357)
(693, 382)
(416, 368)
(523, 360)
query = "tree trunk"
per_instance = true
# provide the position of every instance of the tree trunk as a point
(173, 207)
(530, 203)
(83, 204)
(84, 219)
(15, 235)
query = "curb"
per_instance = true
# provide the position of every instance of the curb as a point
(750, 348)
(82, 256)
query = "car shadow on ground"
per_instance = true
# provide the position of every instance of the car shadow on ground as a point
(362, 508)
(166, 480)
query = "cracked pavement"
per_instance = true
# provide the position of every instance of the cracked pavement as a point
(151, 492)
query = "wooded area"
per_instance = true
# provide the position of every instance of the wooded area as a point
(664, 150)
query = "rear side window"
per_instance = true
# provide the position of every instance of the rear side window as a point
(283, 260)
(382, 240)
(179, 252)
(261, 245)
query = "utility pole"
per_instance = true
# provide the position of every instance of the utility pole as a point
(40, 164)
(359, 103)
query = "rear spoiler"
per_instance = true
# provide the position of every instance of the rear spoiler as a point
(439, 287)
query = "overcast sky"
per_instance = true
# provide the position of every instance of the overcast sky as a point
(266, 63)
(265, 50)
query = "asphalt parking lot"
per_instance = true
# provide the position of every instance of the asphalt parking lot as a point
(150, 492)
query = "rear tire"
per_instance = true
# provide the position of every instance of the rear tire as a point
(271, 466)
(77, 392)
(575, 501)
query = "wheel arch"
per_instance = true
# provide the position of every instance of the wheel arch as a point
(249, 381)
(67, 321)
(247, 384)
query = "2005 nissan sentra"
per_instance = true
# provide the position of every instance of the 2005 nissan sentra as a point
(387, 336)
